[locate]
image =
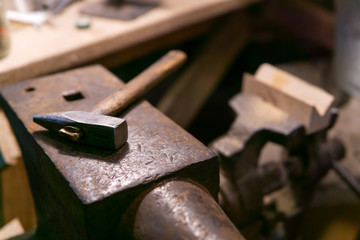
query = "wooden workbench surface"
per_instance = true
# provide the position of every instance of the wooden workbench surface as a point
(37, 52)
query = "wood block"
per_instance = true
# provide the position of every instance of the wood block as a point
(11, 229)
(8, 145)
(307, 103)
(16, 199)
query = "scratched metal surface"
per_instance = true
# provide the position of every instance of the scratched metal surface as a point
(182, 211)
(259, 120)
(156, 146)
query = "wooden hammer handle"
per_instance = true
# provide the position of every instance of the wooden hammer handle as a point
(138, 86)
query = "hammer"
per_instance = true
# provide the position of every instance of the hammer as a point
(99, 128)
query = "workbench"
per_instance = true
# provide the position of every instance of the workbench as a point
(60, 45)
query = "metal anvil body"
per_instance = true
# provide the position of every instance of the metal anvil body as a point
(82, 192)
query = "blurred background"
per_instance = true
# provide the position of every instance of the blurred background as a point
(316, 40)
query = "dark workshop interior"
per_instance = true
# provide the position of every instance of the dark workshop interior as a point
(164, 119)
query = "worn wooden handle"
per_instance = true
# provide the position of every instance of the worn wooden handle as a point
(138, 86)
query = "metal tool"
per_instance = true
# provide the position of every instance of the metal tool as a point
(264, 116)
(103, 131)
(243, 183)
(162, 185)
(180, 208)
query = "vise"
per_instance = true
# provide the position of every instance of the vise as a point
(162, 184)
(277, 107)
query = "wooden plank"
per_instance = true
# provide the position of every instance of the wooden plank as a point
(8, 145)
(54, 48)
(183, 101)
(11, 229)
(158, 43)
(16, 198)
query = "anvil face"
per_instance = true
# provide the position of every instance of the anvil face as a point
(86, 188)
(98, 130)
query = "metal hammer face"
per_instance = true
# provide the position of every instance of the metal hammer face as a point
(96, 129)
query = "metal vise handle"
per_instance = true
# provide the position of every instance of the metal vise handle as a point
(138, 86)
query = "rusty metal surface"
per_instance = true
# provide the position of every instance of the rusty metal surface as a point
(182, 210)
(244, 182)
(86, 189)
(156, 146)
(257, 122)
(95, 129)
(72, 95)
(243, 186)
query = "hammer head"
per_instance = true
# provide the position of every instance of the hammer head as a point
(96, 129)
